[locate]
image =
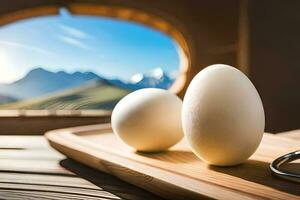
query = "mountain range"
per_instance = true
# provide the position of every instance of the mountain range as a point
(7, 99)
(39, 82)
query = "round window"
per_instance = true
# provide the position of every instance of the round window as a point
(81, 62)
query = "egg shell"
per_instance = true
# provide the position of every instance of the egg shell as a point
(222, 116)
(148, 119)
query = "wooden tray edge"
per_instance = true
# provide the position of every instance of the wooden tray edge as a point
(157, 185)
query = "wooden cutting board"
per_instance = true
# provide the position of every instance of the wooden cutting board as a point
(178, 173)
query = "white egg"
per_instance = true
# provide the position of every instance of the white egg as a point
(222, 116)
(148, 119)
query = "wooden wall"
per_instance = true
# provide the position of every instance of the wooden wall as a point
(258, 36)
(275, 60)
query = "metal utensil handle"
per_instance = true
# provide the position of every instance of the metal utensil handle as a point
(275, 166)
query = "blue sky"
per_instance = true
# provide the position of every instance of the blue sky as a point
(106, 46)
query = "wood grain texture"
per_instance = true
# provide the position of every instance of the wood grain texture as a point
(178, 173)
(295, 134)
(31, 169)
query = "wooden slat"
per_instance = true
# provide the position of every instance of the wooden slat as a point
(34, 167)
(63, 181)
(178, 173)
(58, 189)
(35, 194)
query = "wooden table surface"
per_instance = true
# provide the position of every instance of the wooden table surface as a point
(31, 169)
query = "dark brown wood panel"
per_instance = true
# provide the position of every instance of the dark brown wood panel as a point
(275, 60)
(38, 125)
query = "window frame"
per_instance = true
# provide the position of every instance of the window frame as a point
(39, 121)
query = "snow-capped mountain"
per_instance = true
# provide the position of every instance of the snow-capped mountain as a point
(156, 78)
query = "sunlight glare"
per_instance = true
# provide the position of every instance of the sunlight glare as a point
(7, 72)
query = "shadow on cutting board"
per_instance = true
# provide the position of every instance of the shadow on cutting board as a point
(259, 172)
(107, 182)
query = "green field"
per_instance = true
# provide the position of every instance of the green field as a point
(92, 96)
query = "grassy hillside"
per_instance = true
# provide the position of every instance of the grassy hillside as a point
(92, 96)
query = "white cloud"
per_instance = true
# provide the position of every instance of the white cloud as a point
(73, 42)
(73, 31)
(25, 46)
